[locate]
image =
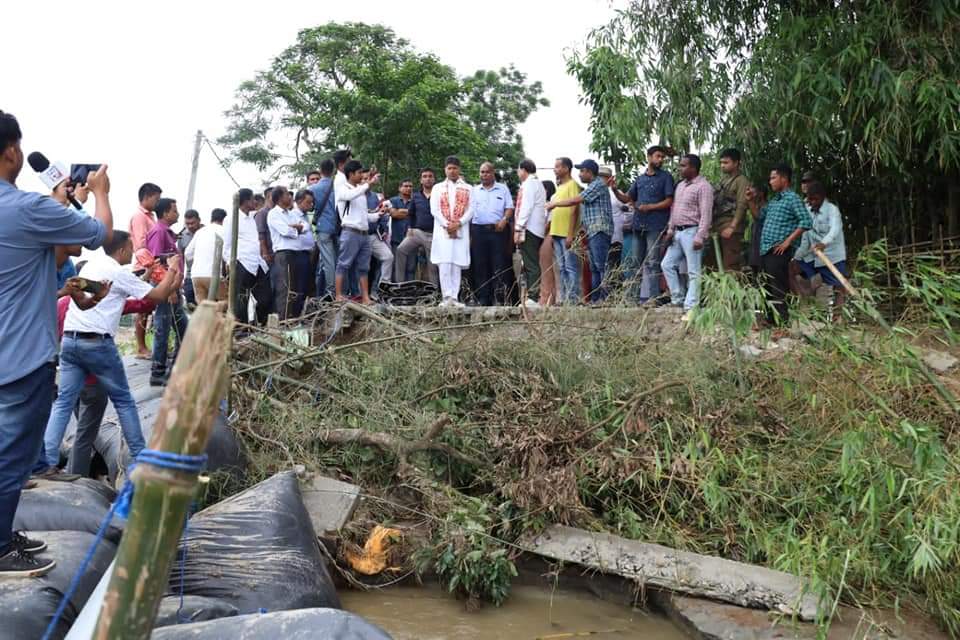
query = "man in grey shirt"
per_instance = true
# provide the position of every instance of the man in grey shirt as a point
(32, 225)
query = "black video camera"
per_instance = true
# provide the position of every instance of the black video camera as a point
(79, 172)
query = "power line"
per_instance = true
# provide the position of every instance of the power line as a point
(223, 165)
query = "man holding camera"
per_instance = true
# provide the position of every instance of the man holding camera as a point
(34, 225)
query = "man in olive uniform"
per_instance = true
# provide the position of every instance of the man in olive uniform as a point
(729, 211)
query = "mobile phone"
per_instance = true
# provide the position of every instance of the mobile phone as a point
(79, 172)
(90, 286)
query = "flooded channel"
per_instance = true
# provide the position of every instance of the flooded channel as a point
(531, 613)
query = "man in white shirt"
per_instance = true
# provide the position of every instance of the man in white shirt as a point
(251, 267)
(355, 219)
(451, 204)
(531, 227)
(201, 254)
(88, 347)
(287, 223)
(304, 203)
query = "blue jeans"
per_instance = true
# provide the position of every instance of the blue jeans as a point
(328, 243)
(168, 315)
(80, 357)
(567, 267)
(24, 409)
(645, 253)
(599, 247)
(680, 248)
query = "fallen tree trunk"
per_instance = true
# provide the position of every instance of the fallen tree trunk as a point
(399, 446)
(680, 571)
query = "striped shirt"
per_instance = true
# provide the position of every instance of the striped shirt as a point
(785, 214)
(596, 214)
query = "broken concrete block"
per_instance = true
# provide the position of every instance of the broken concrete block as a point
(709, 620)
(939, 361)
(330, 503)
(679, 571)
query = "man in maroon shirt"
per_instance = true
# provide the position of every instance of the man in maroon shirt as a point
(162, 243)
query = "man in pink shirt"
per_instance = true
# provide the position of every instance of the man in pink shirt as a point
(140, 224)
(687, 233)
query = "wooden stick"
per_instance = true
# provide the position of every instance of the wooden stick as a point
(162, 496)
(836, 272)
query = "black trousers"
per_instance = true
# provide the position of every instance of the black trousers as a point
(259, 285)
(776, 284)
(489, 263)
(530, 250)
(290, 284)
(89, 411)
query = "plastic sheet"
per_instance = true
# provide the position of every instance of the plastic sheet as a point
(256, 550)
(67, 506)
(195, 609)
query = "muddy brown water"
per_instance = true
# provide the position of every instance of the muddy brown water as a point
(430, 613)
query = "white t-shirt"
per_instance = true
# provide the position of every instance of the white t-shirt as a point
(105, 316)
(200, 251)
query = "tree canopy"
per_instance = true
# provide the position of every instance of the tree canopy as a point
(361, 86)
(864, 92)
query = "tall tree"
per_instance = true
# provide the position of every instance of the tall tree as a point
(866, 92)
(496, 103)
(361, 86)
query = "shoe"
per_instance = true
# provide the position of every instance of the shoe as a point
(444, 303)
(457, 304)
(17, 563)
(531, 304)
(28, 545)
(55, 475)
(687, 316)
(29, 484)
(158, 382)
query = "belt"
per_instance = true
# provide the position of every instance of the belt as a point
(356, 231)
(682, 227)
(86, 335)
(485, 227)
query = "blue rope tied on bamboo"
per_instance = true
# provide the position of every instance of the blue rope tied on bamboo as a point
(121, 508)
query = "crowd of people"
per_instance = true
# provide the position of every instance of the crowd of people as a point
(566, 242)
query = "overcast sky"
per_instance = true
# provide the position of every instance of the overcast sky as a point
(129, 83)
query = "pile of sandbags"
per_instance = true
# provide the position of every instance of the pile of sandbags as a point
(28, 604)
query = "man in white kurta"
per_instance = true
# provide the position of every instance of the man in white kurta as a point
(452, 207)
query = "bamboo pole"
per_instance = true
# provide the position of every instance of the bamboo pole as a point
(162, 496)
(214, 293)
(234, 238)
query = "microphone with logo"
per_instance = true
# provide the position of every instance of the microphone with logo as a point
(50, 174)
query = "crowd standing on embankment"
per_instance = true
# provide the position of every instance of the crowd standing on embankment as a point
(337, 237)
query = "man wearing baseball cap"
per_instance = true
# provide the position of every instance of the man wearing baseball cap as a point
(597, 219)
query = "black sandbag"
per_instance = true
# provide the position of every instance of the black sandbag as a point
(303, 624)
(195, 609)
(256, 550)
(67, 506)
(28, 604)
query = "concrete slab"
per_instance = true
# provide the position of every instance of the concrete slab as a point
(708, 620)
(329, 502)
(679, 571)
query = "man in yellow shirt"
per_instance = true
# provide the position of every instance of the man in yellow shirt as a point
(564, 225)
